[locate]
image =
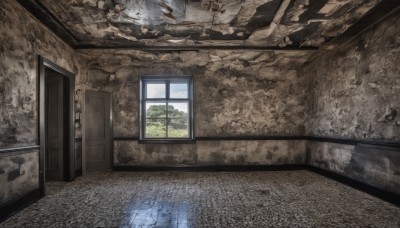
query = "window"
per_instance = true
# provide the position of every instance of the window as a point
(166, 109)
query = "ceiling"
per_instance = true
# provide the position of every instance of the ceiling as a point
(280, 24)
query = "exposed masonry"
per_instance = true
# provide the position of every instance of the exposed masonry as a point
(355, 93)
(208, 22)
(22, 39)
(236, 93)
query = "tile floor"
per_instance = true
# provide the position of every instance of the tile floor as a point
(205, 199)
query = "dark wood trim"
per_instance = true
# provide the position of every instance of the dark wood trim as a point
(385, 143)
(13, 207)
(129, 138)
(111, 133)
(43, 64)
(333, 140)
(218, 138)
(21, 148)
(167, 141)
(209, 168)
(354, 142)
(371, 18)
(78, 172)
(387, 196)
(39, 11)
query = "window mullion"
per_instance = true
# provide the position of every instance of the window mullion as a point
(158, 100)
(167, 98)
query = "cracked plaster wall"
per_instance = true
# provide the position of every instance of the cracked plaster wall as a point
(355, 94)
(18, 175)
(237, 93)
(22, 39)
(355, 89)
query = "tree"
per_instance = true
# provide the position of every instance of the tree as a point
(177, 122)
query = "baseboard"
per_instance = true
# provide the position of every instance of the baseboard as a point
(209, 168)
(78, 173)
(13, 207)
(385, 195)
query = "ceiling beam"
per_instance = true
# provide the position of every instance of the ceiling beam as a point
(39, 11)
(198, 48)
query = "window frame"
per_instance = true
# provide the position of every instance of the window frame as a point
(143, 79)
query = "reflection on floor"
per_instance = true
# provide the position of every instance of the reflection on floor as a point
(190, 199)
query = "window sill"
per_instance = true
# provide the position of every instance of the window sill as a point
(167, 141)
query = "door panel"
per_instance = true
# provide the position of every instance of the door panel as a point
(97, 136)
(54, 113)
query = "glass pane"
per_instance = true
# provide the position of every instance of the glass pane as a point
(178, 90)
(178, 109)
(178, 128)
(178, 120)
(155, 128)
(155, 89)
(155, 110)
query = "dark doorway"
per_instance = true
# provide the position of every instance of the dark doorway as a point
(56, 115)
(56, 130)
(97, 133)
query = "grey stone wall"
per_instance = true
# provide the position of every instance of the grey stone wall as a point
(355, 89)
(354, 93)
(243, 152)
(375, 165)
(18, 175)
(237, 93)
(22, 39)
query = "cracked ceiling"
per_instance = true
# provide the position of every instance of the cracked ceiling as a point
(160, 23)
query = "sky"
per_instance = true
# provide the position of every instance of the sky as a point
(176, 91)
(158, 90)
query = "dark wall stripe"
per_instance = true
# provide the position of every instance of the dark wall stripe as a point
(217, 138)
(251, 138)
(133, 138)
(22, 148)
(387, 143)
(354, 142)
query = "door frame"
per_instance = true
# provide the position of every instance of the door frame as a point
(43, 65)
(83, 118)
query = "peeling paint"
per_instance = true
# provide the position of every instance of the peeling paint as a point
(207, 22)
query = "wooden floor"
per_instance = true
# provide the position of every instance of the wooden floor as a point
(209, 199)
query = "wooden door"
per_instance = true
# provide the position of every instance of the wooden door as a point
(97, 131)
(54, 114)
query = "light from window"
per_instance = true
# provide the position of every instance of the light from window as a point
(166, 108)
